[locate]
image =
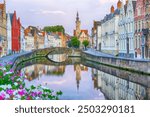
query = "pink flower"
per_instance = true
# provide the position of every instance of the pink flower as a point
(39, 93)
(13, 77)
(10, 91)
(34, 94)
(11, 70)
(2, 96)
(22, 92)
(21, 87)
(1, 64)
(10, 63)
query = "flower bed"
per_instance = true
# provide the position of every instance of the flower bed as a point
(12, 87)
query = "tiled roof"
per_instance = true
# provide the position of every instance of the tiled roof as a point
(85, 31)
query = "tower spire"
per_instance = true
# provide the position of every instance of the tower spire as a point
(5, 2)
(77, 18)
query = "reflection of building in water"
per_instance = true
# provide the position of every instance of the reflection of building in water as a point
(55, 70)
(116, 88)
(34, 71)
(96, 77)
(57, 57)
(78, 69)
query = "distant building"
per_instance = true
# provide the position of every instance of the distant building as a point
(96, 35)
(139, 18)
(29, 39)
(22, 39)
(146, 31)
(79, 33)
(35, 38)
(54, 40)
(126, 29)
(9, 33)
(3, 29)
(16, 28)
(110, 41)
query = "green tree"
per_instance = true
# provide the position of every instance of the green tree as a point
(57, 28)
(85, 43)
(75, 42)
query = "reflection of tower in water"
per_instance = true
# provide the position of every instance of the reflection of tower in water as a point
(78, 75)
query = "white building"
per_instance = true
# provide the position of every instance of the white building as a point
(29, 42)
(9, 33)
(54, 40)
(46, 41)
(96, 35)
(109, 25)
(126, 29)
(22, 39)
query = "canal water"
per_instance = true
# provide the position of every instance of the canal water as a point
(88, 81)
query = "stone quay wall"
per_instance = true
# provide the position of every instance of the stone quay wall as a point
(135, 65)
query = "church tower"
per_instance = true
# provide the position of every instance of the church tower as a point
(78, 25)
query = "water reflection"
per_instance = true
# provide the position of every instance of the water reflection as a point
(87, 80)
(75, 81)
(57, 57)
(115, 88)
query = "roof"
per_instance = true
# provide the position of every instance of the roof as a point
(85, 31)
(11, 16)
(110, 16)
(2, 6)
(125, 8)
(134, 5)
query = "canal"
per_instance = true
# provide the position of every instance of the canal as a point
(85, 80)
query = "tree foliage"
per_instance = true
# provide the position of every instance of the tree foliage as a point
(85, 43)
(57, 28)
(75, 42)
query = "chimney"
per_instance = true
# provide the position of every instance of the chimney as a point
(119, 4)
(126, 2)
(112, 10)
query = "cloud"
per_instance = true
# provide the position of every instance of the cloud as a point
(45, 12)
(108, 1)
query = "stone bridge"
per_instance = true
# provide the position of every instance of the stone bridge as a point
(57, 50)
(45, 52)
(134, 65)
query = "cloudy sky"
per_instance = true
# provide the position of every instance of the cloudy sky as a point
(60, 12)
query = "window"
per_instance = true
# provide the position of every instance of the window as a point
(139, 26)
(139, 11)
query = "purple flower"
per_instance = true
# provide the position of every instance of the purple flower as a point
(1, 98)
(22, 92)
(1, 64)
(10, 92)
(10, 63)
(39, 93)
(21, 74)
(13, 77)
(21, 87)
(11, 70)
(34, 94)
